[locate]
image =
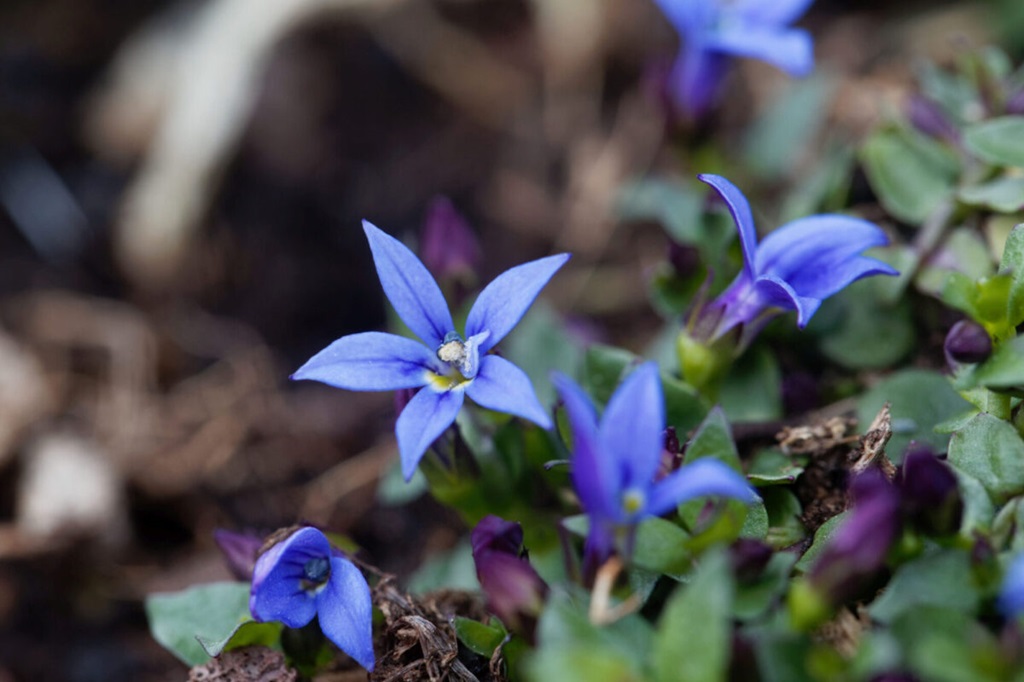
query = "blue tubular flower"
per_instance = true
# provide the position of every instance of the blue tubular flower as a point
(447, 365)
(1011, 595)
(615, 461)
(795, 267)
(712, 31)
(299, 578)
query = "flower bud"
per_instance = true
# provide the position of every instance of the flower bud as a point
(515, 592)
(749, 558)
(967, 342)
(929, 492)
(240, 551)
(928, 117)
(450, 249)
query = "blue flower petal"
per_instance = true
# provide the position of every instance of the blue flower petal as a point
(504, 301)
(633, 424)
(409, 286)
(770, 12)
(774, 292)
(704, 477)
(1011, 595)
(791, 50)
(741, 215)
(819, 255)
(594, 472)
(501, 386)
(345, 611)
(686, 16)
(695, 78)
(371, 361)
(422, 421)
(277, 592)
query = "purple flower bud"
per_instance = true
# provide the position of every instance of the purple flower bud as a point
(928, 117)
(748, 558)
(515, 592)
(685, 259)
(929, 492)
(1015, 103)
(240, 551)
(450, 249)
(967, 342)
(671, 454)
(858, 548)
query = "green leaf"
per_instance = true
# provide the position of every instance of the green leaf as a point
(479, 638)
(753, 599)
(822, 537)
(1005, 195)
(991, 451)
(941, 578)
(453, 569)
(752, 389)
(911, 174)
(940, 644)
(1013, 263)
(661, 546)
(540, 345)
(978, 508)
(919, 400)
(1004, 370)
(784, 525)
(999, 140)
(215, 615)
(714, 439)
(603, 368)
(693, 639)
(860, 330)
(771, 466)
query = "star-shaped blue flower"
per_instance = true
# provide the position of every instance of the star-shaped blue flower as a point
(795, 267)
(615, 460)
(300, 577)
(447, 365)
(713, 31)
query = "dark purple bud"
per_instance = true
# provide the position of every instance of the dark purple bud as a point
(858, 548)
(685, 259)
(515, 592)
(240, 551)
(671, 454)
(450, 249)
(928, 117)
(967, 342)
(748, 558)
(895, 677)
(929, 492)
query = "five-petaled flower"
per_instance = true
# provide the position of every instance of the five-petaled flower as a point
(795, 267)
(300, 577)
(447, 365)
(712, 31)
(615, 460)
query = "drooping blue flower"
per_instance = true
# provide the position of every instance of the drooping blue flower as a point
(713, 31)
(615, 460)
(1011, 594)
(446, 366)
(300, 577)
(795, 267)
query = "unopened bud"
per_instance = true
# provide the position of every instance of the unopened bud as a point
(967, 342)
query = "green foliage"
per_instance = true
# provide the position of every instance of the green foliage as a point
(999, 141)
(990, 450)
(204, 620)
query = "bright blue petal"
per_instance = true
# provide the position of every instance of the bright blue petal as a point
(791, 50)
(704, 477)
(594, 473)
(695, 79)
(345, 611)
(409, 286)
(770, 12)
(741, 215)
(371, 361)
(774, 292)
(422, 421)
(633, 425)
(819, 255)
(277, 592)
(686, 16)
(1011, 595)
(501, 386)
(504, 301)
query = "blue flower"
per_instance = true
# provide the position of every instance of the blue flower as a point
(446, 366)
(615, 461)
(712, 31)
(299, 578)
(795, 267)
(1011, 595)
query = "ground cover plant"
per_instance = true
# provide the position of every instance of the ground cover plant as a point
(709, 366)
